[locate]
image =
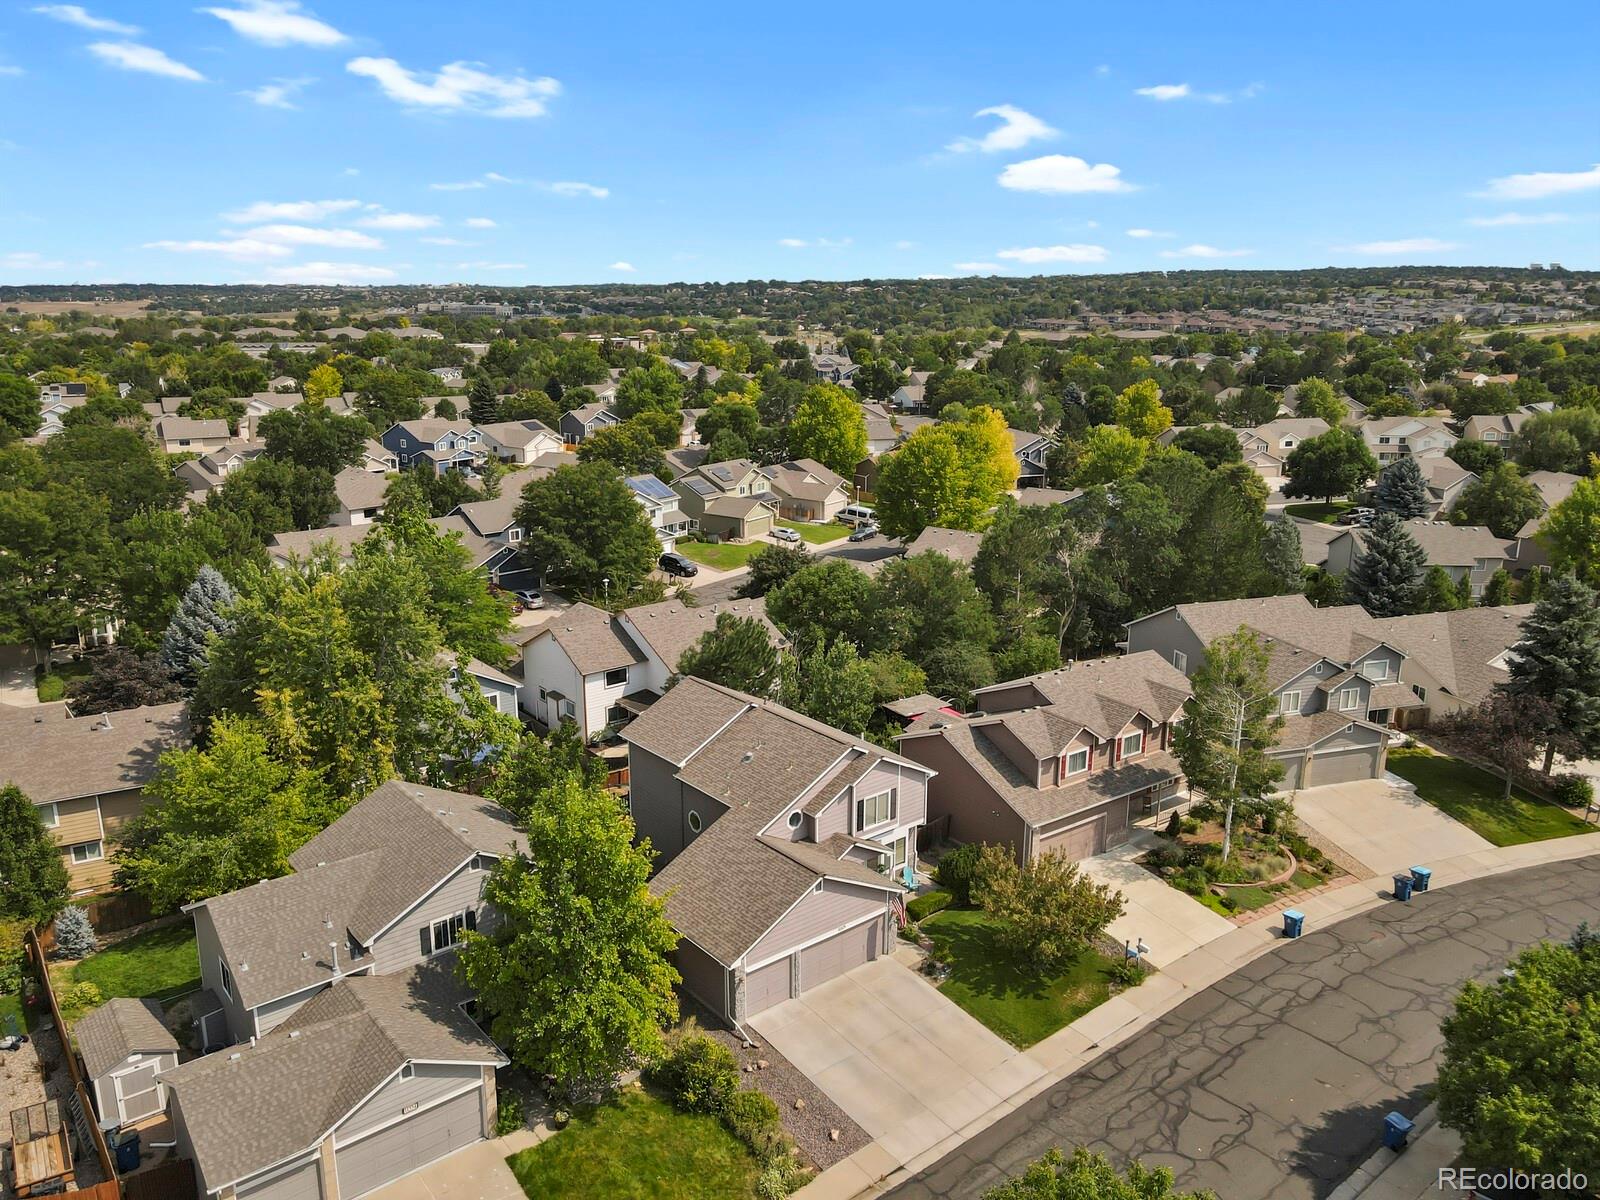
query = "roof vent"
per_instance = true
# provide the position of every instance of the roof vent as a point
(294, 1033)
(235, 1056)
(304, 954)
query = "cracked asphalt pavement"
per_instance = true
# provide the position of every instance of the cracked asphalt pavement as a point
(1274, 1081)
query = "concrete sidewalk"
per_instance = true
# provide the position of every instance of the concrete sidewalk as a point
(892, 1159)
(1171, 922)
(1409, 1174)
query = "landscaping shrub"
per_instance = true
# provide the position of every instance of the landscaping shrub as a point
(1573, 791)
(74, 935)
(955, 869)
(753, 1118)
(909, 932)
(699, 1073)
(1191, 825)
(779, 1177)
(1048, 911)
(1129, 972)
(508, 1119)
(1191, 880)
(1167, 855)
(1228, 902)
(83, 995)
(924, 906)
(1174, 824)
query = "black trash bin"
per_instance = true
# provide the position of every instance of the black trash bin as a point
(126, 1150)
(1402, 887)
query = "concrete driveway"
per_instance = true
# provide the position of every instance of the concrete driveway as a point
(1171, 923)
(16, 676)
(477, 1173)
(1383, 824)
(906, 1064)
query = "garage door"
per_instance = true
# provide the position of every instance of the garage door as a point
(1079, 842)
(297, 1183)
(840, 953)
(413, 1143)
(766, 986)
(1345, 766)
(1291, 774)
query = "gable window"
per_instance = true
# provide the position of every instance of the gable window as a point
(794, 819)
(1075, 762)
(87, 852)
(1133, 743)
(1377, 668)
(407, 1072)
(225, 978)
(876, 809)
(1180, 660)
(1422, 692)
(1290, 702)
(447, 931)
(616, 677)
(1349, 698)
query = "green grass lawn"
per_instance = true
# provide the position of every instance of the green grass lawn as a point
(53, 687)
(724, 556)
(160, 964)
(1326, 513)
(816, 535)
(985, 980)
(637, 1148)
(1473, 797)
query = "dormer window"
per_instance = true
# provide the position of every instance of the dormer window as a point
(1376, 669)
(1075, 762)
(1133, 743)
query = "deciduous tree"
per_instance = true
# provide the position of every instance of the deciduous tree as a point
(1049, 912)
(1501, 499)
(1571, 533)
(1329, 465)
(1087, 1176)
(122, 678)
(828, 426)
(583, 526)
(33, 876)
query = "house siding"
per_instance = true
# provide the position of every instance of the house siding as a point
(835, 818)
(209, 949)
(401, 946)
(1117, 815)
(1164, 633)
(957, 791)
(1021, 757)
(656, 802)
(546, 665)
(836, 906)
(430, 1081)
(270, 1015)
(703, 977)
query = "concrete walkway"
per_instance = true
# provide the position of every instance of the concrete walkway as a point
(16, 677)
(1384, 824)
(1409, 1174)
(1171, 923)
(886, 1163)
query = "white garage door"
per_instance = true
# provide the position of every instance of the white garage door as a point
(414, 1142)
(766, 986)
(1079, 842)
(1343, 766)
(840, 953)
(296, 1183)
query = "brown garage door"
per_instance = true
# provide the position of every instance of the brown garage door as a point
(838, 954)
(766, 986)
(1079, 842)
(1344, 766)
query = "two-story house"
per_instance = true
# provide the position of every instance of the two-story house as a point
(833, 368)
(359, 497)
(1057, 763)
(201, 476)
(1445, 481)
(519, 442)
(1032, 451)
(178, 434)
(1454, 660)
(912, 396)
(86, 775)
(731, 499)
(660, 504)
(585, 420)
(56, 400)
(1391, 438)
(806, 490)
(1497, 429)
(436, 444)
(783, 842)
(1267, 447)
(1470, 552)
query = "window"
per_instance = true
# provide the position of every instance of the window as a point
(617, 715)
(794, 819)
(1180, 660)
(695, 824)
(1422, 692)
(1289, 702)
(1349, 698)
(875, 809)
(900, 852)
(569, 710)
(225, 978)
(617, 677)
(1377, 668)
(403, 443)
(1075, 761)
(1132, 743)
(513, 536)
(50, 814)
(447, 931)
(86, 852)
(541, 695)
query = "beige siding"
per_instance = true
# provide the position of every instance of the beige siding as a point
(1112, 816)
(1021, 757)
(117, 809)
(1084, 741)
(838, 904)
(401, 946)
(835, 818)
(429, 1082)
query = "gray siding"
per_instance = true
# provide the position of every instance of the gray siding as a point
(209, 949)
(1381, 654)
(704, 977)
(838, 904)
(430, 1082)
(274, 1013)
(1164, 633)
(401, 946)
(957, 791)
(656, 801)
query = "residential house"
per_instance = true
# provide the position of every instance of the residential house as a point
(416, 333)
(1445, 480)
(1392, 438)
(1334, 673)
(660, 504)
(1478, 379)
(834, 368)
(501, 689)
(451, 376)
(1315, 538)
(783, 842)
(359, 495)
(1468, 552)
(1495, 428)
(86, 775)
(201, 476)
(1044, 497)
(493, 558)
(957, 545)
(599, 670)
(1267, 447)
(912, 395)
(439, 445)
(579, 423)
(1456, 659)
(1032, 451)
(377, 457)
(731, 499)
(806, 490)
(519, 442)
(56, 400)
(1553, 486)
(882, 436)
(1057, 763)
(164, 406)
(177, 434)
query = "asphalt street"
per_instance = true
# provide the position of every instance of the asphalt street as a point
(1274, 1081)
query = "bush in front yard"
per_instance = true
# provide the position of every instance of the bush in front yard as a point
(753, 1118)
(699, 1073)
(508, 1117)
(1572, 791)
(780, 1177)
(954, 871)
(1049, 912)
(924, 906)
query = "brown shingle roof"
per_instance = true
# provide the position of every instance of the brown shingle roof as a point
(118, 1028)
(955, 544)
(85, 756)
(668, 628)
(591, 638)
(1460, 648)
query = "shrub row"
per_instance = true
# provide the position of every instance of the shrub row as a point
(924, 906)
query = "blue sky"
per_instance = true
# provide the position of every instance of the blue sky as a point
(253, 140)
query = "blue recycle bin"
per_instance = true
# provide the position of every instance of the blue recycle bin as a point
(1294, 922)
(1396, 1129)
(1420, 878)
(1402, 887)
(127, 1152)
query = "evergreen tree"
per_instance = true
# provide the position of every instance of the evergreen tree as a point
(1464, 591)
(1533, 587)
(33, 878)
(1387, 574)
(483, 406)
(1497, 593)
(1558, 660)
(1402, 490)
(1284, 557)
(1438, 592)
(203, 612)
(74, 935)
(737, 652)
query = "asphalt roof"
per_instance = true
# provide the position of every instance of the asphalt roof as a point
(62, 759)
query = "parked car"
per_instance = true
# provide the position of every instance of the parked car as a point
(856, 514)
(528, 598)
(784, 534)
(864, 532)
(676, 564)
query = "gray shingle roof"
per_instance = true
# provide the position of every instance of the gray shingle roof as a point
(955, 544)
(591, 638)
(804, 479)
(1300, 732)
(668, 627)
(1339, 632)
(118, 1028)
(357, 489)
(1448, 545)
(84, 756)
(1459, 648)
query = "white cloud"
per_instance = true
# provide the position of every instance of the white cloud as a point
(277, 94)
(398, 220)
(1164, 91)
(1516, 218)
(1016, 129)
(351, 171)
(289, 210)
(28, 260)
(480, 223)
(8, 69)
(1419, 245)
(1103, 70)
(934, 277)
(445, 241)
(1149, 233)
(1063, 174)
(312, 235)
(247, 248)
(469, 185)
(329, 274)
(1201, 250)
(905, 245)
(278, 23)
(1075, 252)
(1539, 184)
(131, 56)
(793, 243)
(458, 87)
(75, 14)
(496, 177)
(1182, 91)
(621, 265)
(982, 268)
(569, 187)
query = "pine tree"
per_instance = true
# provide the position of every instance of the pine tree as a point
(1498, 591)
(33, 879)
(1401, 490)
(1533, 586)
(1387, 574)
(1464, 591)
(483, 406)
(1558, 661)
(202, 613)
(737, 653)
(1438, 593)
(1284, 558)
(74, 935)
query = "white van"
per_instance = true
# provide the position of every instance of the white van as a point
(856, 514)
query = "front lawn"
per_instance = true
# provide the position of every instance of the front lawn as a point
(816, 535)
(1473, 797)
(160, 964)
(638, 1147)
(985, 980)
(724, 556)
(53, 687)
(1326, 513)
